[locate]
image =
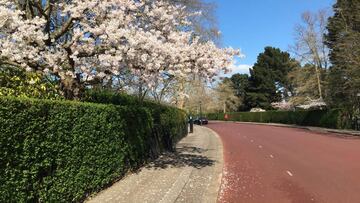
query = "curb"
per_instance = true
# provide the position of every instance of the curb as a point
(220, 177)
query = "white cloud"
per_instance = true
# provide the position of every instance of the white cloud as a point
(240, 68)
(236, 68)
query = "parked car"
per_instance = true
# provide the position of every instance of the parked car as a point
(201, 121)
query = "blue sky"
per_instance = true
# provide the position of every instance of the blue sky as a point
(253, 24)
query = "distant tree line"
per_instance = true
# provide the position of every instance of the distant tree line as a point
(325, 67)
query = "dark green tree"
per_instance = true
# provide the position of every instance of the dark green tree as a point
(240, 83)
(343, 39)
(269, 80)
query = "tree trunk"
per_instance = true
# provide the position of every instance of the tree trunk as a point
(72, 88)
(318, 81)
(181, 101)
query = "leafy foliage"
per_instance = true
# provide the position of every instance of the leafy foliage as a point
(268, 81)
(61, 151)
(321, 118)
(109, 97)
(170, 123)
(305, 83)
(17, 82)
(240, 83)
(343, 39)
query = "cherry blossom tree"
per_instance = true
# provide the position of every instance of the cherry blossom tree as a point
(283, 106)
(81, 43)
(313, 104)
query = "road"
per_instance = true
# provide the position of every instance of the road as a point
(277, 164)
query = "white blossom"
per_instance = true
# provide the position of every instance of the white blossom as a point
(95, 38)
(283, 105)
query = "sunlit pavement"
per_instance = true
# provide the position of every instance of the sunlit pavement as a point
(193, 174)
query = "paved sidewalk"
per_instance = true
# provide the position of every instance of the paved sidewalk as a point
(193, 174)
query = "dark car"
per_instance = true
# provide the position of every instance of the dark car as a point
(201, 121)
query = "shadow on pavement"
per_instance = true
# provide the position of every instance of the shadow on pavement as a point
(185, 149)
(183, 157)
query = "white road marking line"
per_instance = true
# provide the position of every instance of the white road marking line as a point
(260, 146)
(289, 173)
(271, 156)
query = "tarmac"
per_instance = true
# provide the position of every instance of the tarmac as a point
(329, 131)
(278, 163)
(192, 174)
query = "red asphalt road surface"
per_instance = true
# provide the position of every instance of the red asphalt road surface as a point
(276, 164)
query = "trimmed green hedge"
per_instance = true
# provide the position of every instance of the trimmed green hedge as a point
(62, 151)
(170, 123)
(320, 118)
(109, 97)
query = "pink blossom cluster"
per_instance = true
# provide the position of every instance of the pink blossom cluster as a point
(313, 104)
(283, 105)
(96, 39)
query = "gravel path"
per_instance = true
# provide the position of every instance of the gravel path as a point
(193, 174)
